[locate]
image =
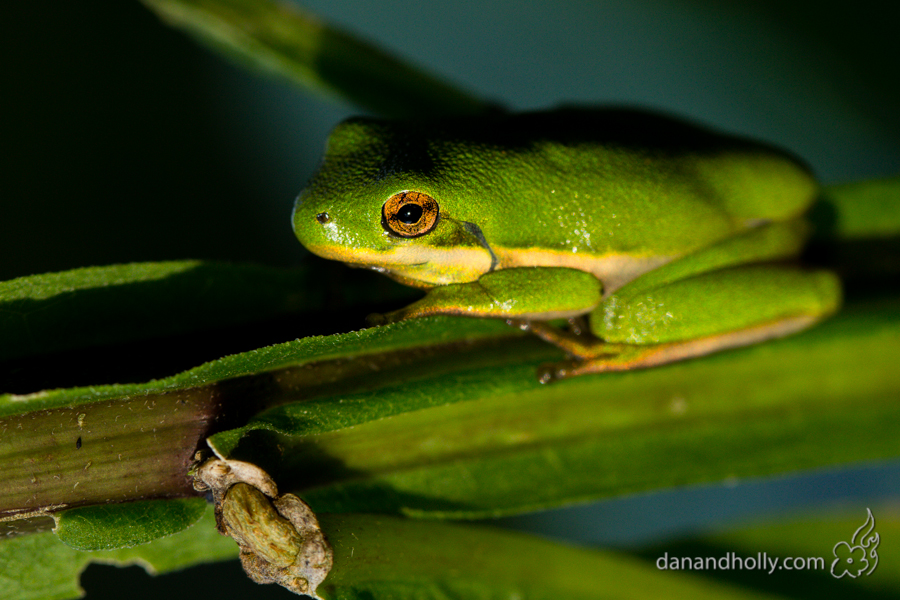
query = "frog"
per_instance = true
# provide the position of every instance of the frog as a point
(654, 238)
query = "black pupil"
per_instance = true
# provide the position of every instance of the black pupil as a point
(409, 214)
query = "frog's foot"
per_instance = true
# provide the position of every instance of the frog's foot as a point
(579, 326)
(626, 359)
(577, 340)
(597, 356)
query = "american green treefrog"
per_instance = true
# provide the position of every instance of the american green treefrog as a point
(673, 240)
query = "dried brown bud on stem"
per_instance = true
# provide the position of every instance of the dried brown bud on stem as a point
(279, 536)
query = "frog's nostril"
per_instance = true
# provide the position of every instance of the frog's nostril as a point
(323, 218)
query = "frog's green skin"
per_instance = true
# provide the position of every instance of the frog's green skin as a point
(655, 228)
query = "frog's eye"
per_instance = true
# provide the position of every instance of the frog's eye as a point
(410, 214)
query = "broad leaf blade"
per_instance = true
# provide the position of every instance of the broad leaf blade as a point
(486, 439)
(858, 234)
(407, 336)
(376, 421)
(860, 210)
(129, 442)
(384, 557)
(41, 567)
(102, 305)
(111, 526)
(377, 557)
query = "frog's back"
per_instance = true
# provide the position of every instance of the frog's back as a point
(610, 175)
(624, 189)
(615, 176)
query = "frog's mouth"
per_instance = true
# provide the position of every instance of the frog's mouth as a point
(466, 258)
(428, 267)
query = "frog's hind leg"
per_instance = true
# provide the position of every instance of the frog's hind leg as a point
(596, 356)
(646, 326)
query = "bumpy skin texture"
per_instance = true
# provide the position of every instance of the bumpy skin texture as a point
(614, 192)
(648, 224)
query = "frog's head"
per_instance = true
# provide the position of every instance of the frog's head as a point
(380, 201)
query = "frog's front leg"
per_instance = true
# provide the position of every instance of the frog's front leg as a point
(522, 293)
(692, 317)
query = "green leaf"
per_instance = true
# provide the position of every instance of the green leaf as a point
(200, 543)
(103, 305)
(129, 442)
(41, 567)
(409, 335)
(384, 557)
(857, 233)
(378, 556)
(861, 209)
(444, 417)
(111, 526)
(282, 39)
(481, 437)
